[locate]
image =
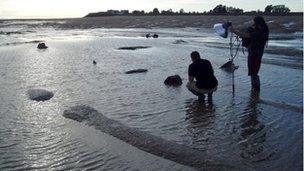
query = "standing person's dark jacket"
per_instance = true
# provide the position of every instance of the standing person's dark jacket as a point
(258, 39)
(256, 50)
(203, 72)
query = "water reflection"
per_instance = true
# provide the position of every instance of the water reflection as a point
(197, 110)
(253, 134)
(200, 116)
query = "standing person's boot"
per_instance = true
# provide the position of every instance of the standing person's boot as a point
(255, 82)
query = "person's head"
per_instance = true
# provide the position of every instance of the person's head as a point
(195, 56)
(261, 24)
(259, 21)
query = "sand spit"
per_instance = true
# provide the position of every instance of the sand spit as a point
(146, 142)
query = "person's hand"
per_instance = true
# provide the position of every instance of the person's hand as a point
(231, 29)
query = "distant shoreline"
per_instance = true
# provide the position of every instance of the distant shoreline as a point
(174, 15)
(208, 14)
(277, 23)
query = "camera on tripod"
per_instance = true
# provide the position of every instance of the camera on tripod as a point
(222, 29)
(227, 24)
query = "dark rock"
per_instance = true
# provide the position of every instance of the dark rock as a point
(174, 80)
(229, 66)
(155, 36)
(136, 71)
(133, 47)
(180, 41)
(94, 62)
(42, 46)
(39, 94)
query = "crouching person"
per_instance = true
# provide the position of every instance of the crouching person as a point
(201, 77)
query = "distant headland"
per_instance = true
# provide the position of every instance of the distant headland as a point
(218, 10)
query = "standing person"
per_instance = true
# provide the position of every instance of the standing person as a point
(201, 70)
(257, 36)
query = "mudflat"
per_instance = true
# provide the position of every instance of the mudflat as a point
(277, 24)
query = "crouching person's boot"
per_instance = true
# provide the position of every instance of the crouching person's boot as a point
(255, 82)
(201, 97)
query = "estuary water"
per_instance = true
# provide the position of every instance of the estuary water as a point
(255, 131)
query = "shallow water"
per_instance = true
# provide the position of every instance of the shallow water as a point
(256, 131)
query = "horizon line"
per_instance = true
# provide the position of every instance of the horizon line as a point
(72, 17)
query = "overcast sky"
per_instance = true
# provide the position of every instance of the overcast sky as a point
(79, 8)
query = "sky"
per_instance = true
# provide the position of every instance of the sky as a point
(12, 9)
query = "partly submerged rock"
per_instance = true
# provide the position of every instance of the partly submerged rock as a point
(150, 35)
(39, 94)
(42, 46)
(179, 41)
(229, 66)
(136, 71)
(133, 47)
(155, 36)
(174, 80)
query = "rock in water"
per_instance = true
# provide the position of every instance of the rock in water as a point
(39, 94)
(174, 80)
(155, 36)
(136, 71)
(133, 47)
(229, 66)
(42, 46)
(180, 41)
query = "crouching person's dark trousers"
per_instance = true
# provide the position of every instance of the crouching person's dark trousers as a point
(200, 92)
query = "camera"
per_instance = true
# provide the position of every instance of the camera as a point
(226, 25)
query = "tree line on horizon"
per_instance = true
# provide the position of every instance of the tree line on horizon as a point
(219, 9)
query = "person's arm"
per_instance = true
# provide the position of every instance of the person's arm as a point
(190, 74)
(238, 33)
(191, 79)
(210, 67)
